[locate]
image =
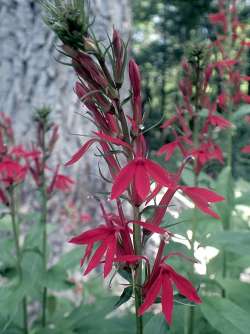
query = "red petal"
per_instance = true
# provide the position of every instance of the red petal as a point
(130, 258)
(168, 149)
(202, 202)
(221, 122)
(96, 258)
(123, 180)
(154, 193)
(77, 156)
(158, 173)
(167, 298)
(169, 122)
(142, 182)
(245, 149)
(87, 254)
(184, 286)
(150, 227)
(112, 140)
(90, 236)
(205, 194)
(151, 296)
(245, 98)
(111, 251)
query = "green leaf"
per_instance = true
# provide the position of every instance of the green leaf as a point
(237, 291)
(126, 275)
(225, 316)
(125, 296)
(244, 199)
(237, 242)
(56, 279)
(34, 237)
(71, 259)
(51, 304)
(242, 262)
(225, 187)
(157, 324)
(241, 112)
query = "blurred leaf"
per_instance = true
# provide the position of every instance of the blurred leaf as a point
(157, 324)
(6, 249)
(71, 259)
(5, 223)
(51, 304)
(237, 291)
(233, 241)
(244, 199)
(34, 236)
(56, 279)
(225, 316)
(242, 261)
(225, 187)
(241, 112)
(125, 296)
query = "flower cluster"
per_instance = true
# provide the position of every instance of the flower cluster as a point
(136, 179)
(16, 162)
(233, 45)
(200, 114)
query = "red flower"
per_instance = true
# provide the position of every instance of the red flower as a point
(164, 279)
(63, 182)
(246, 149)
(168, 149)
(226, 63)
(60, 182)
(138, 172)
(111, 238)
(20, 152)
(220, 121)
(11, 171)
(135, 79)
(245, 98)
(202, 198)
(100, 137)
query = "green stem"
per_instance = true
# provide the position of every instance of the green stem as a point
(18, 255)
(43, 191)
(191, 310)
(138, 272)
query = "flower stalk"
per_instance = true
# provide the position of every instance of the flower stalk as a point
(18, 253)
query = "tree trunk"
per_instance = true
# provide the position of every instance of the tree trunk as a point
(31, 77)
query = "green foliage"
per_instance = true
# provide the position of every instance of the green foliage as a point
(125, 296)
(157, 324)
(225, 316)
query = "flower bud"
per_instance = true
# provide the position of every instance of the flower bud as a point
(135, 77)
(90, 45)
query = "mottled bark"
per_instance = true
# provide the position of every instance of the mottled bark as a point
(31, 77)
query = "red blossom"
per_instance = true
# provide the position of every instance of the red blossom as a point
(220, 121)
(245, 98)
(246, 149)
(138, 172)
(202, 198)
(165, 277)
(11, 171)
(109, 236)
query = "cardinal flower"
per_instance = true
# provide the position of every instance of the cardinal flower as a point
(139, 172)
(162, 284)
(202, 198)
(100, 136)
(246, 149)
(12, 171)
(109, 236)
